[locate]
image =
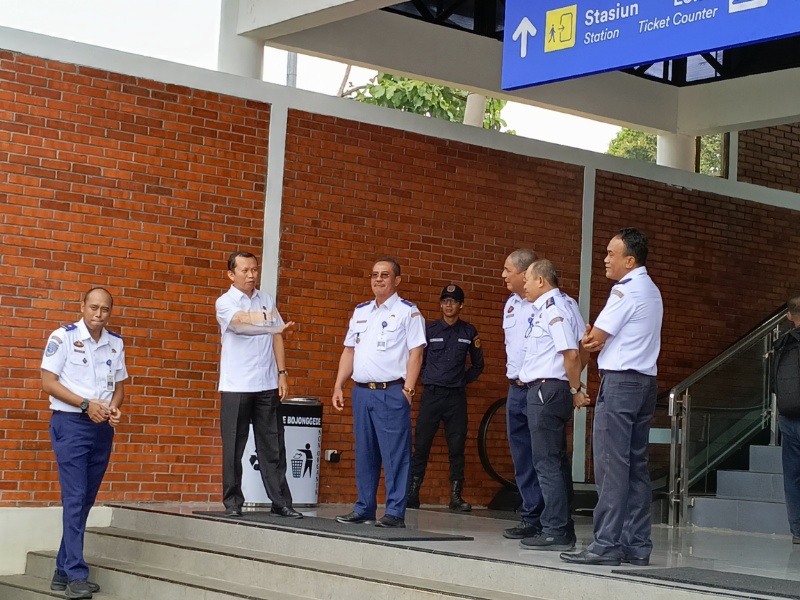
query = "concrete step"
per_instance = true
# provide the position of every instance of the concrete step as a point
(739, 515)
(149, 582)
(28, 587)
(305, 577)
(750, 485)
(766, 459)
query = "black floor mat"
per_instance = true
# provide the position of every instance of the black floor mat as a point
(755, 584)
(330, 526)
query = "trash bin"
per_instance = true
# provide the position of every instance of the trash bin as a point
(302, 425)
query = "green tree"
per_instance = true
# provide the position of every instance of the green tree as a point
(639, 145)
(422, 98)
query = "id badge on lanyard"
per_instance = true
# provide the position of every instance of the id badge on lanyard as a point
(382, 338)
(110, 383)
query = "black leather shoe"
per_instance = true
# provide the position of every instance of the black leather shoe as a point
(636, 562)
(59, 583)
(546, 541)
(286, 511)
(584, 557)
(390, 521)
(233, 512)
(354, 518)
(522, 531)
(78, 589)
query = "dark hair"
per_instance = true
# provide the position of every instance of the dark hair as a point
(545, 268)
(391, 261)
(793, 305)
(232, 259)
(101, 289)
(522, 258)
(635, 244)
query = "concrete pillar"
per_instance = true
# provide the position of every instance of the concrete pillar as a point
(237, 54)
(476, 108)
(676, 151)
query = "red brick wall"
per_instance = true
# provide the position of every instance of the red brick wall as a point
(141, 187)
(771, 157)
(451, 213)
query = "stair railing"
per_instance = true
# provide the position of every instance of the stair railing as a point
(719, 409)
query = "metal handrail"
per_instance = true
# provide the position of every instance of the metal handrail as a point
(759, 332)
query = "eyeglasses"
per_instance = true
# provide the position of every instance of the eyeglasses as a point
(530, 327)
(449, 302)
(383, 275)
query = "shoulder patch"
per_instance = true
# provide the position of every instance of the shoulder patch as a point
(556, 320)
(407, 303)
(56, 339)
(415, 314)
(477, 342)
(617, 293)
(112, 334)
(69, 327)
(51, 349)
(363, 304)
(551, 301)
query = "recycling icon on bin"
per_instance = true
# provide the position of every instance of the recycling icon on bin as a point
(302, 462)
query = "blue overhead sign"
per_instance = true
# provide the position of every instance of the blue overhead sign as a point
(551, 40)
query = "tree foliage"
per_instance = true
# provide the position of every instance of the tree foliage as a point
(642, 146)
(422, 98)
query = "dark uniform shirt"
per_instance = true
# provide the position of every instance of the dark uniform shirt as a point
(446, 354)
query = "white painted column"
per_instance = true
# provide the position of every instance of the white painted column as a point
(237, 54)
(476, 108)
(584, 296)
(676, 151)
(278, 122)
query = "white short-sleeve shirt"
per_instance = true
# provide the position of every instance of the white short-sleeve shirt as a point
(632, 319)
(516, 313)
(556, 327)
(248, 362)
(83, 365)
(382, 338)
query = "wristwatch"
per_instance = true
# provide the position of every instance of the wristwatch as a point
(574, 391)
(283, 372)
(409, 391)
(85, 405)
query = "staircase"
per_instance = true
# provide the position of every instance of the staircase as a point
(751, 501)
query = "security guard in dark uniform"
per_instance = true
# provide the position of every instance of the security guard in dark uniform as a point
(444, 398)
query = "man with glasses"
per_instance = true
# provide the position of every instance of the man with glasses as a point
(515, 324)
(383, 355)
(444, 399)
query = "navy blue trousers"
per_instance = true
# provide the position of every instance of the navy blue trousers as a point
(519, 441)
(382, 428)
(790, 450)
(549, 411)
(82, 451)
(622, 517)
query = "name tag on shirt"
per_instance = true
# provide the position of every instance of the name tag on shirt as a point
(437, 339)
(463, 341)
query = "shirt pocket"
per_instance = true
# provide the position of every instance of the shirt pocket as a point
(78, 360)
(509, 320)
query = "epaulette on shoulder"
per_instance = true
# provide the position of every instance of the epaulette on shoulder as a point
(624, 281)
(116, 335)
(69, 327)
(407, 303)
(363, 304)
(551, 301)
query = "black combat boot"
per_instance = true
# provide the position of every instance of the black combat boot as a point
(457, 503)
(412, 499)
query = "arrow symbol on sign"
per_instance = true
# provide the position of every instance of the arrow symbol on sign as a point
(524, 29)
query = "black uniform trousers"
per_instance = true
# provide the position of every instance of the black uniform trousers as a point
(239, 409)
(441, 404)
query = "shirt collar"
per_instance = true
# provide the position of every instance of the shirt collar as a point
(539, 302)
(85, 335)
(239, 294)
(388, 304)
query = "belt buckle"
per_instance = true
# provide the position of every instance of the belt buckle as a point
(372, 386)
(520, 383)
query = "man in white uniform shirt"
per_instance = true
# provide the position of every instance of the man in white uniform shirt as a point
(552, 372)
(83, 371)
(252, 381)
(516, 313)
(383, 354)
(627, 333)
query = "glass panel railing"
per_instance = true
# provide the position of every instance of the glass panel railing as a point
(718, 411)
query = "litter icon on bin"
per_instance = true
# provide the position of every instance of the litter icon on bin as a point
(297, 465)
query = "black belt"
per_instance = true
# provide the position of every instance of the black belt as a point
(380, 385)
(517, 382)
(604, 372)
(530, 384)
